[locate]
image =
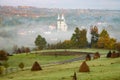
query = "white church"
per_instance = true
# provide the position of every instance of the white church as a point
(61, 24)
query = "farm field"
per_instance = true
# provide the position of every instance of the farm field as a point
(100, 69)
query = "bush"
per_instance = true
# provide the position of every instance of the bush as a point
(2, 69)
(3, 55)
(21, 65)
(36, 67)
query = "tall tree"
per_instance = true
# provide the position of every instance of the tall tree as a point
(15, 48)
(94, 36)
(79, 39)
(76, 38)
(83, 38)
(40, 42)
(105, 41)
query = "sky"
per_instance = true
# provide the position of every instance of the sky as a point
(66, 4)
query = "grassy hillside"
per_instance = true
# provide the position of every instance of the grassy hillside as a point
(30, 58)
(100, 69)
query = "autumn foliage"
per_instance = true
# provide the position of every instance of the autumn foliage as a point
(3, 55)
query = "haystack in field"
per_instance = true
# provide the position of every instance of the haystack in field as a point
(96, 55)
(109, 54)
(36, 67)
(84, 67)
(114, 54)
(88, 57)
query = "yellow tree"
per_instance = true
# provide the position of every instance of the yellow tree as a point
(105, 41)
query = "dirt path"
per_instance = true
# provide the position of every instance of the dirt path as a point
(64, 62)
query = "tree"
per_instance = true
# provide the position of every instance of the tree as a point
(76, 38)
(79, 39)
(40, 42)
(83, 38)
(22, 49)
(15, 48)
(94, 36)
(3, 55)
(27, 49)
(105, 41)
(67, 44)
(118, 46)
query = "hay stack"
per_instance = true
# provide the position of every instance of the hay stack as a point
(84, 67)
(114, 54)
(109, 54)
(36, 67)
(88, 57)
(96, 55)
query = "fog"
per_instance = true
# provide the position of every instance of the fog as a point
(24, 35)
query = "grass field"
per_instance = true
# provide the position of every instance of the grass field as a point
(101, 51)
(29, 59)
(100, 69)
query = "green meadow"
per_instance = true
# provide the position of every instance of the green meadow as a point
(100, 69)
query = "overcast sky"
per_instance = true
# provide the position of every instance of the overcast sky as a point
(83, 4)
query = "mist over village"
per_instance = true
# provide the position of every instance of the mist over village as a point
(59, 40)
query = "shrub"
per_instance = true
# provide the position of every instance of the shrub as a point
(21, 65)
(36, 66)
(2, 69)
(84, 67)
(3, 55)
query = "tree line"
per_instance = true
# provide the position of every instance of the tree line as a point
(79, 40)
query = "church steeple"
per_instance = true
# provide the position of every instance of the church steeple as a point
(61, 24)
(62, 17)
(58, 17)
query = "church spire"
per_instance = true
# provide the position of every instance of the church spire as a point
(62, 17)
(58, 17)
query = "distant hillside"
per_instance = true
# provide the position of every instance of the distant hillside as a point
(20, 25)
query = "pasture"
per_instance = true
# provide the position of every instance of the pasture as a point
(100, 69)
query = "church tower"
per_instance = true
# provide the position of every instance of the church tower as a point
(61, 24)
